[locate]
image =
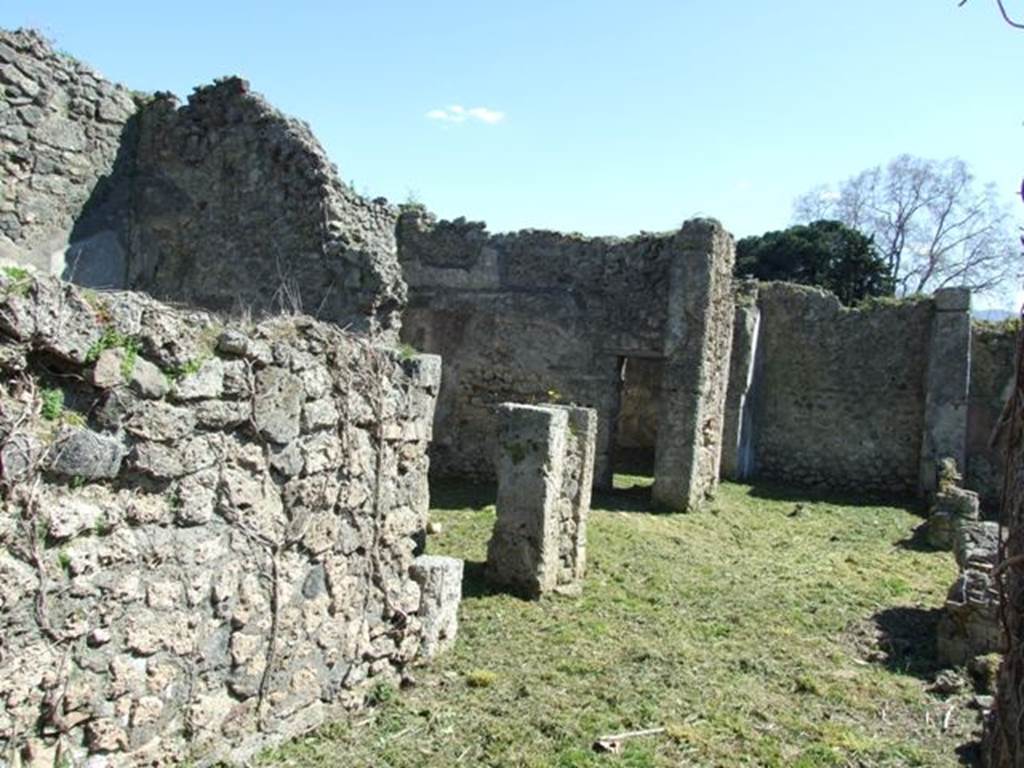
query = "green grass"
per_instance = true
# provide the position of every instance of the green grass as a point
(743, 629)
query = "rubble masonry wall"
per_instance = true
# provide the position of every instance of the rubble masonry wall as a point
(207, 528)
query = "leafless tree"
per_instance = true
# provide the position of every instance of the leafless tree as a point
(934, 226)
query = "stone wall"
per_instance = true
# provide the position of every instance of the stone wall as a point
(223, 203)
(207, 530)
(992, 375)
(841, 391)
(237, 206)
(60, 133)
(970, 625)
(531, 317)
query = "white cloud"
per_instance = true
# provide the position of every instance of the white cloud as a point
(489, 116)
(456, 113)
(828, 196)
(744, 185)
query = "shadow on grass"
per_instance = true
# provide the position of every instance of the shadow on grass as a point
(780, 492)
(476, 584)
(906, 636)
(452, 494)
(635, 499)
(970, 754)
(918, 540)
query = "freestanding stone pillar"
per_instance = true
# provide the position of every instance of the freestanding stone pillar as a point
(545, 471)
(946, 385)
(698, 339)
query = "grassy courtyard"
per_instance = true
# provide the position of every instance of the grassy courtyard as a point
(765, 630)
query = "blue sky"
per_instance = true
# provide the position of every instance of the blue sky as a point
(599, 117)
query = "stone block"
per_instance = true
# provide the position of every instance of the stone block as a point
(953, 508)
(574, 500)
(440, 582)
(976, 545)
(699, 327)
(953, 299)
(87, 455)
(545, 474)
(970, 623)
(278, 405)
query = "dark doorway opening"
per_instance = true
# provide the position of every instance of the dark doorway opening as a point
(636, 424)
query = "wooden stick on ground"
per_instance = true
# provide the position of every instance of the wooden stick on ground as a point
(613, 742)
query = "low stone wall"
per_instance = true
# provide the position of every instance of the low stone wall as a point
(970, 625)
(992, 375)
(545, 473)
(207, 530)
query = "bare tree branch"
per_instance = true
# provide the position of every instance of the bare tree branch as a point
(1002, 10)
(933, 225)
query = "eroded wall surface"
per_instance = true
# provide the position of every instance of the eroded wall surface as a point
(236, 206)
(841, 391)
(224, 202)
(207, 528)
(61, 126)
(528, 317)
(992, 376)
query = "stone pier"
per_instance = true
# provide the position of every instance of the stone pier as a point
(545, 470)
(946, 385)
(697, 346)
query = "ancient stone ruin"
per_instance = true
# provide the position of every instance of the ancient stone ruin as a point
(953, 507)
(518, 317)
(970, 624)
(212, 505)
(208, 535)
(223, 203)
(545, 474)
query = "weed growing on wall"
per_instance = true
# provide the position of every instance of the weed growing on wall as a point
(20, 278)
(52, 404)
(114, 339)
